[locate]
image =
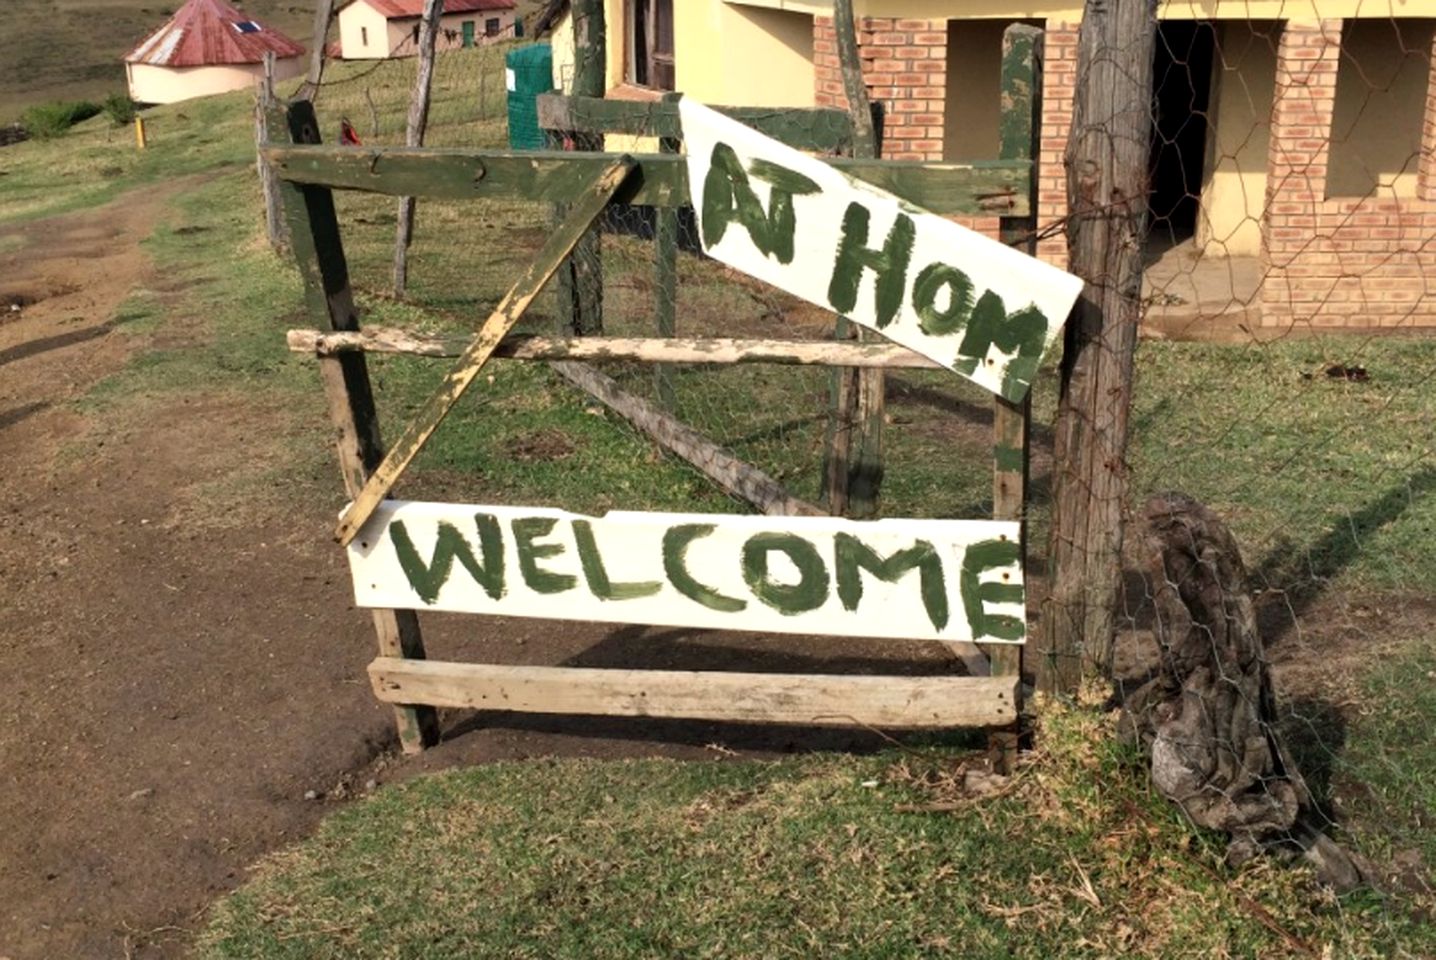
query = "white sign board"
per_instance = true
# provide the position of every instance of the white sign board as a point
(974, 305)
(905, 579)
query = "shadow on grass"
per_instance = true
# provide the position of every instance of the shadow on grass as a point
(1295, 577)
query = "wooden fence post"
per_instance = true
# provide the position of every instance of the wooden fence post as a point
(323, 13)
(414, 136)
(665, 279)
(268, 180)
(319, 251)
(1107, 201)
(580, 279)
(1020, 127)
(853, 467)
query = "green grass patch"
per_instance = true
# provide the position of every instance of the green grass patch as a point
(46, 121)
(821, 855)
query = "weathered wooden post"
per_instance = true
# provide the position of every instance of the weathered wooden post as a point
(665, 279)
(414, 135)
(853, 456)
(1107, 198)
(323, 14)
(314, 233)
(268, 181)
(580, 279)
(1020, 127)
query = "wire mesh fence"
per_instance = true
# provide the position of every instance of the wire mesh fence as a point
(1285, 380)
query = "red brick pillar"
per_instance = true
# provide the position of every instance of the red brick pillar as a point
(1426, 169)
(904, 67)
(1059, 92)
(1298, 283)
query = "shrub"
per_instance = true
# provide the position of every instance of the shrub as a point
(49, 120)
(120, 109)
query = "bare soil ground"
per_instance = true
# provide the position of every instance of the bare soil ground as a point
(179, 671)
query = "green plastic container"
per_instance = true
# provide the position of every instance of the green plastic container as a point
(529, 73)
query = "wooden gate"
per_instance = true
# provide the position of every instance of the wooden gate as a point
(583, 184)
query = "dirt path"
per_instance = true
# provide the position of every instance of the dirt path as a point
(163, 718)
(175, 686)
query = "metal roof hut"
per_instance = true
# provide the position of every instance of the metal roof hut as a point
(207, 47)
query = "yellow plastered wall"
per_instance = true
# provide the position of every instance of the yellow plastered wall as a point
(974, 79)
(152, 84)
(561, 45)
(359, 22)
(1234, 191)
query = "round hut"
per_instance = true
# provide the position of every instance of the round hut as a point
(207, 47)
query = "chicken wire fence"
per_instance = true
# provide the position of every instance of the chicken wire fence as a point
(1284, 380)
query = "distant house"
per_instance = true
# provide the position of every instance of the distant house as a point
(379, 29)
(207, 47)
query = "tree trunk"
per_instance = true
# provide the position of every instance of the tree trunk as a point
(1106, 192)
(414, 135)
(1208, 714)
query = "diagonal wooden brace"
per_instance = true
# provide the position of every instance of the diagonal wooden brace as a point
(594, 197)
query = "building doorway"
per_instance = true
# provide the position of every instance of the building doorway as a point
(1182, 86)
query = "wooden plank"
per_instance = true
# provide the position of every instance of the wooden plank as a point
(985, 311)
(445, 173)
(817, 700)
(418, 122)
(820, 129)
(733, 476)
(509, 311)
(319, 252)
(897, 579)
(718, 350)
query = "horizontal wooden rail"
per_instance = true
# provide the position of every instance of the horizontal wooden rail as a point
(998, 188)
(817, 700)
(803, 128)
(720, 350)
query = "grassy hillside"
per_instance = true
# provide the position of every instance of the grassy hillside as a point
(71, 49)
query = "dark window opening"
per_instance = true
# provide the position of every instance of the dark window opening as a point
(491, 27)
(1182, 86)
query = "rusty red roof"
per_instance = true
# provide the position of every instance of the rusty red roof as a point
(403, 9)
(207, 32)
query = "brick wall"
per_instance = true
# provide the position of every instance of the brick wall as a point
(1340, 261)
(904, 67)
(1059, 91)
